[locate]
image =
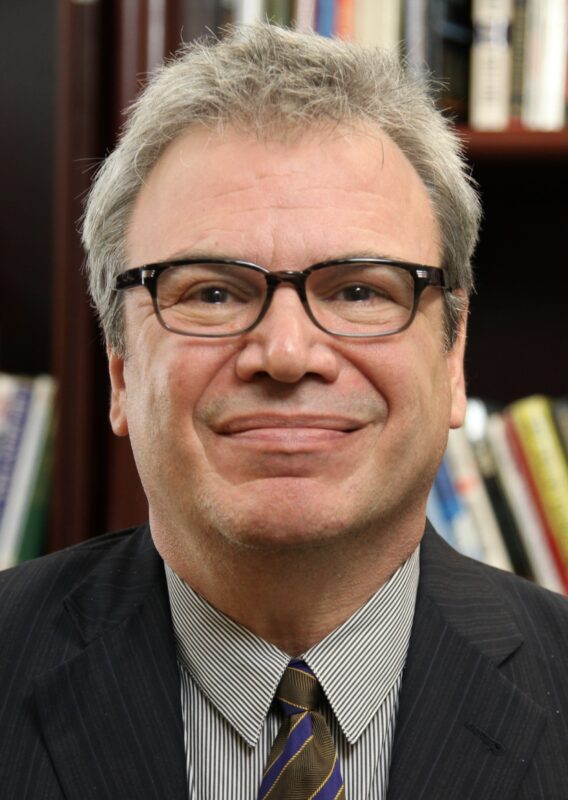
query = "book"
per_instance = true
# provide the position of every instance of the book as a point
(378, 23)
(345, 19)
(278, 11)
(16, 397)
(325, 17)
(490, 65)
(415, 33)
(32, 534)
(544, 80)
(559, 408)
(304, 15)
(454, 519)
(546, 567)
(246, 12)
(476, 429)
(448, 53)
(469, 485)
(30, 436)
(532, 425)
(518, 37)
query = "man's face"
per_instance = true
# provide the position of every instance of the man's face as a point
(285, 435)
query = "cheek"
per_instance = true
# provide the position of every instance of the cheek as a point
(412, 377)
(166, 386)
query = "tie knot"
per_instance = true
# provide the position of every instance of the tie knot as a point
(298, 690)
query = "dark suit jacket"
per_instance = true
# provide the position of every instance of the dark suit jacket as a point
(90, 695)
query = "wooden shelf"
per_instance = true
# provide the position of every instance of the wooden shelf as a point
(515, 143)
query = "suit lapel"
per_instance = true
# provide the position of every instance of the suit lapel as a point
(463, 729)
(111, 716)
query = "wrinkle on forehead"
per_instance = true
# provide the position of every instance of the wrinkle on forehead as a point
(216, 186)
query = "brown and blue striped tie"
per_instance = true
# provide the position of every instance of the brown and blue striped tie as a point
(303, 763)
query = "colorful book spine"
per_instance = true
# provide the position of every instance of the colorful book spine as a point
(345, 19)
(545, 560)
(325, 17)
(477, 431)
(533, 426)
(278, 11)
(17, 397)
(470, 487)
(459, 527)
(26, 466)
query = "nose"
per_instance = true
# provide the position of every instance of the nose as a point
(286, 345)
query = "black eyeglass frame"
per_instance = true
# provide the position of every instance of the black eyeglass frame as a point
(148, 275)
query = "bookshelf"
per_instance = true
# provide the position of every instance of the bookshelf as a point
(96, 53)
(515, 143)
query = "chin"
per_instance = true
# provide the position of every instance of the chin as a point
(281, 522)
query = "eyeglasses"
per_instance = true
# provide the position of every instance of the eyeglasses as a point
(356, 297)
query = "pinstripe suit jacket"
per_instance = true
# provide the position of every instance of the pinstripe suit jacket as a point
(90, 697)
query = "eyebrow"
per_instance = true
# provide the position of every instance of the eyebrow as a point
(350, 254)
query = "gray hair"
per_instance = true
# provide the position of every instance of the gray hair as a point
(264, 80)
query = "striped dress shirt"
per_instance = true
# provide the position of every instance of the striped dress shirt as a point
(229, 677)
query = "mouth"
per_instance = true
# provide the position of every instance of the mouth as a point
(289, 432)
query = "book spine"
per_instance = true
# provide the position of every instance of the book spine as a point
(471, 489)
(31, 536)
(560, 415)
(17, 408)
(544, 85)
(456, 523)
(325, 17)
(518, 38)
(345, 19)
(415, 30)
(534, 425)
(304, 15)
(546, 565)
(245, 12)
(490, 65)
(378, 24)
(278, 11)
(500, 504)
(26, 465)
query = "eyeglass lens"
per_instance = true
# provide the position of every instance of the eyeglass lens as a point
(210, 299)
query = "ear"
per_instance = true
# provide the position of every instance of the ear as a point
(455, 361)
(117, 414)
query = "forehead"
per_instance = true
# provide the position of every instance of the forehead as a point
(233, 194)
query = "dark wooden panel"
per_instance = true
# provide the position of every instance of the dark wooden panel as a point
(77, 355)
(27, 93)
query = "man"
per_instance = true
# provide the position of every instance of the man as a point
(279, 251)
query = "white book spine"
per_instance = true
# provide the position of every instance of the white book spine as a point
(378, 23)
(544, 85)
(415, 34)
(305, 17)
(490, 65)
(245, 12)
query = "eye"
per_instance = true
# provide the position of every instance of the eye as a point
(357, 293)
(213, 294)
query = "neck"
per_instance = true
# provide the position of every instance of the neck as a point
(293, 596)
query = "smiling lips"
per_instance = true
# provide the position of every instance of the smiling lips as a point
(289, 429)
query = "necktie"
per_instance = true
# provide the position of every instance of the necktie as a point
(303, 763)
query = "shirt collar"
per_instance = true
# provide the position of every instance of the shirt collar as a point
(357, 664)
